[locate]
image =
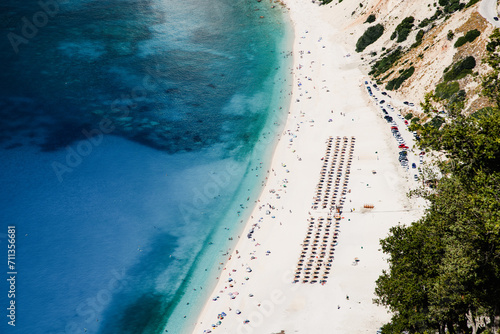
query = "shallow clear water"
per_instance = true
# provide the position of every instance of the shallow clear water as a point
(134, 137)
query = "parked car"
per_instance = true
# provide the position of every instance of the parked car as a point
(495, 18)
(384, 93)
(413, 165)
(415, 177)
(406, 122)
(382, 101)
(406, 102)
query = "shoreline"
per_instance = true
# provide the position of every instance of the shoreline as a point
(256, 282)
(222, 237)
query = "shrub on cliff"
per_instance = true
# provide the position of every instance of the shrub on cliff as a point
(470, 36)
(446, 90)
(403, 29)
(396, 83)
(460, 69)
(370, 36)
(385, 63)
(370, 19)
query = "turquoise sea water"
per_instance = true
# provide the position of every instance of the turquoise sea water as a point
(134, 139)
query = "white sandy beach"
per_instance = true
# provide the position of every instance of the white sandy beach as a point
(327, 85)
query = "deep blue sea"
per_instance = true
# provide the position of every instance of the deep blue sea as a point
(134, 139)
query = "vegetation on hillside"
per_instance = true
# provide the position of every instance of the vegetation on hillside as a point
(325, 2)
(451, 6)
(446, 90)
(425, 22)
(370, 19)
(418, 39)
(469, 37)
(491, 82)
(385, 63)
(403, 29)
(370, 36)
(397, 82)
(460, 69)
(471, 3)
(444, 270)
(447, 7)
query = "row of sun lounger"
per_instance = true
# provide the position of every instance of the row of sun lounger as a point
(316, 258)
(315, 261)
(334, 176)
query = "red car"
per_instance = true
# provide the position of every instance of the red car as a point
(406, 122)
(402, 146)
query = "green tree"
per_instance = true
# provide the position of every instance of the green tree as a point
(370, 36)
(403, 29)
(370, 19)
(491, 82)
(444, 270)
(470, 144)
(450, 35)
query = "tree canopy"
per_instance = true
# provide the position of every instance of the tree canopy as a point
(444, 269)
